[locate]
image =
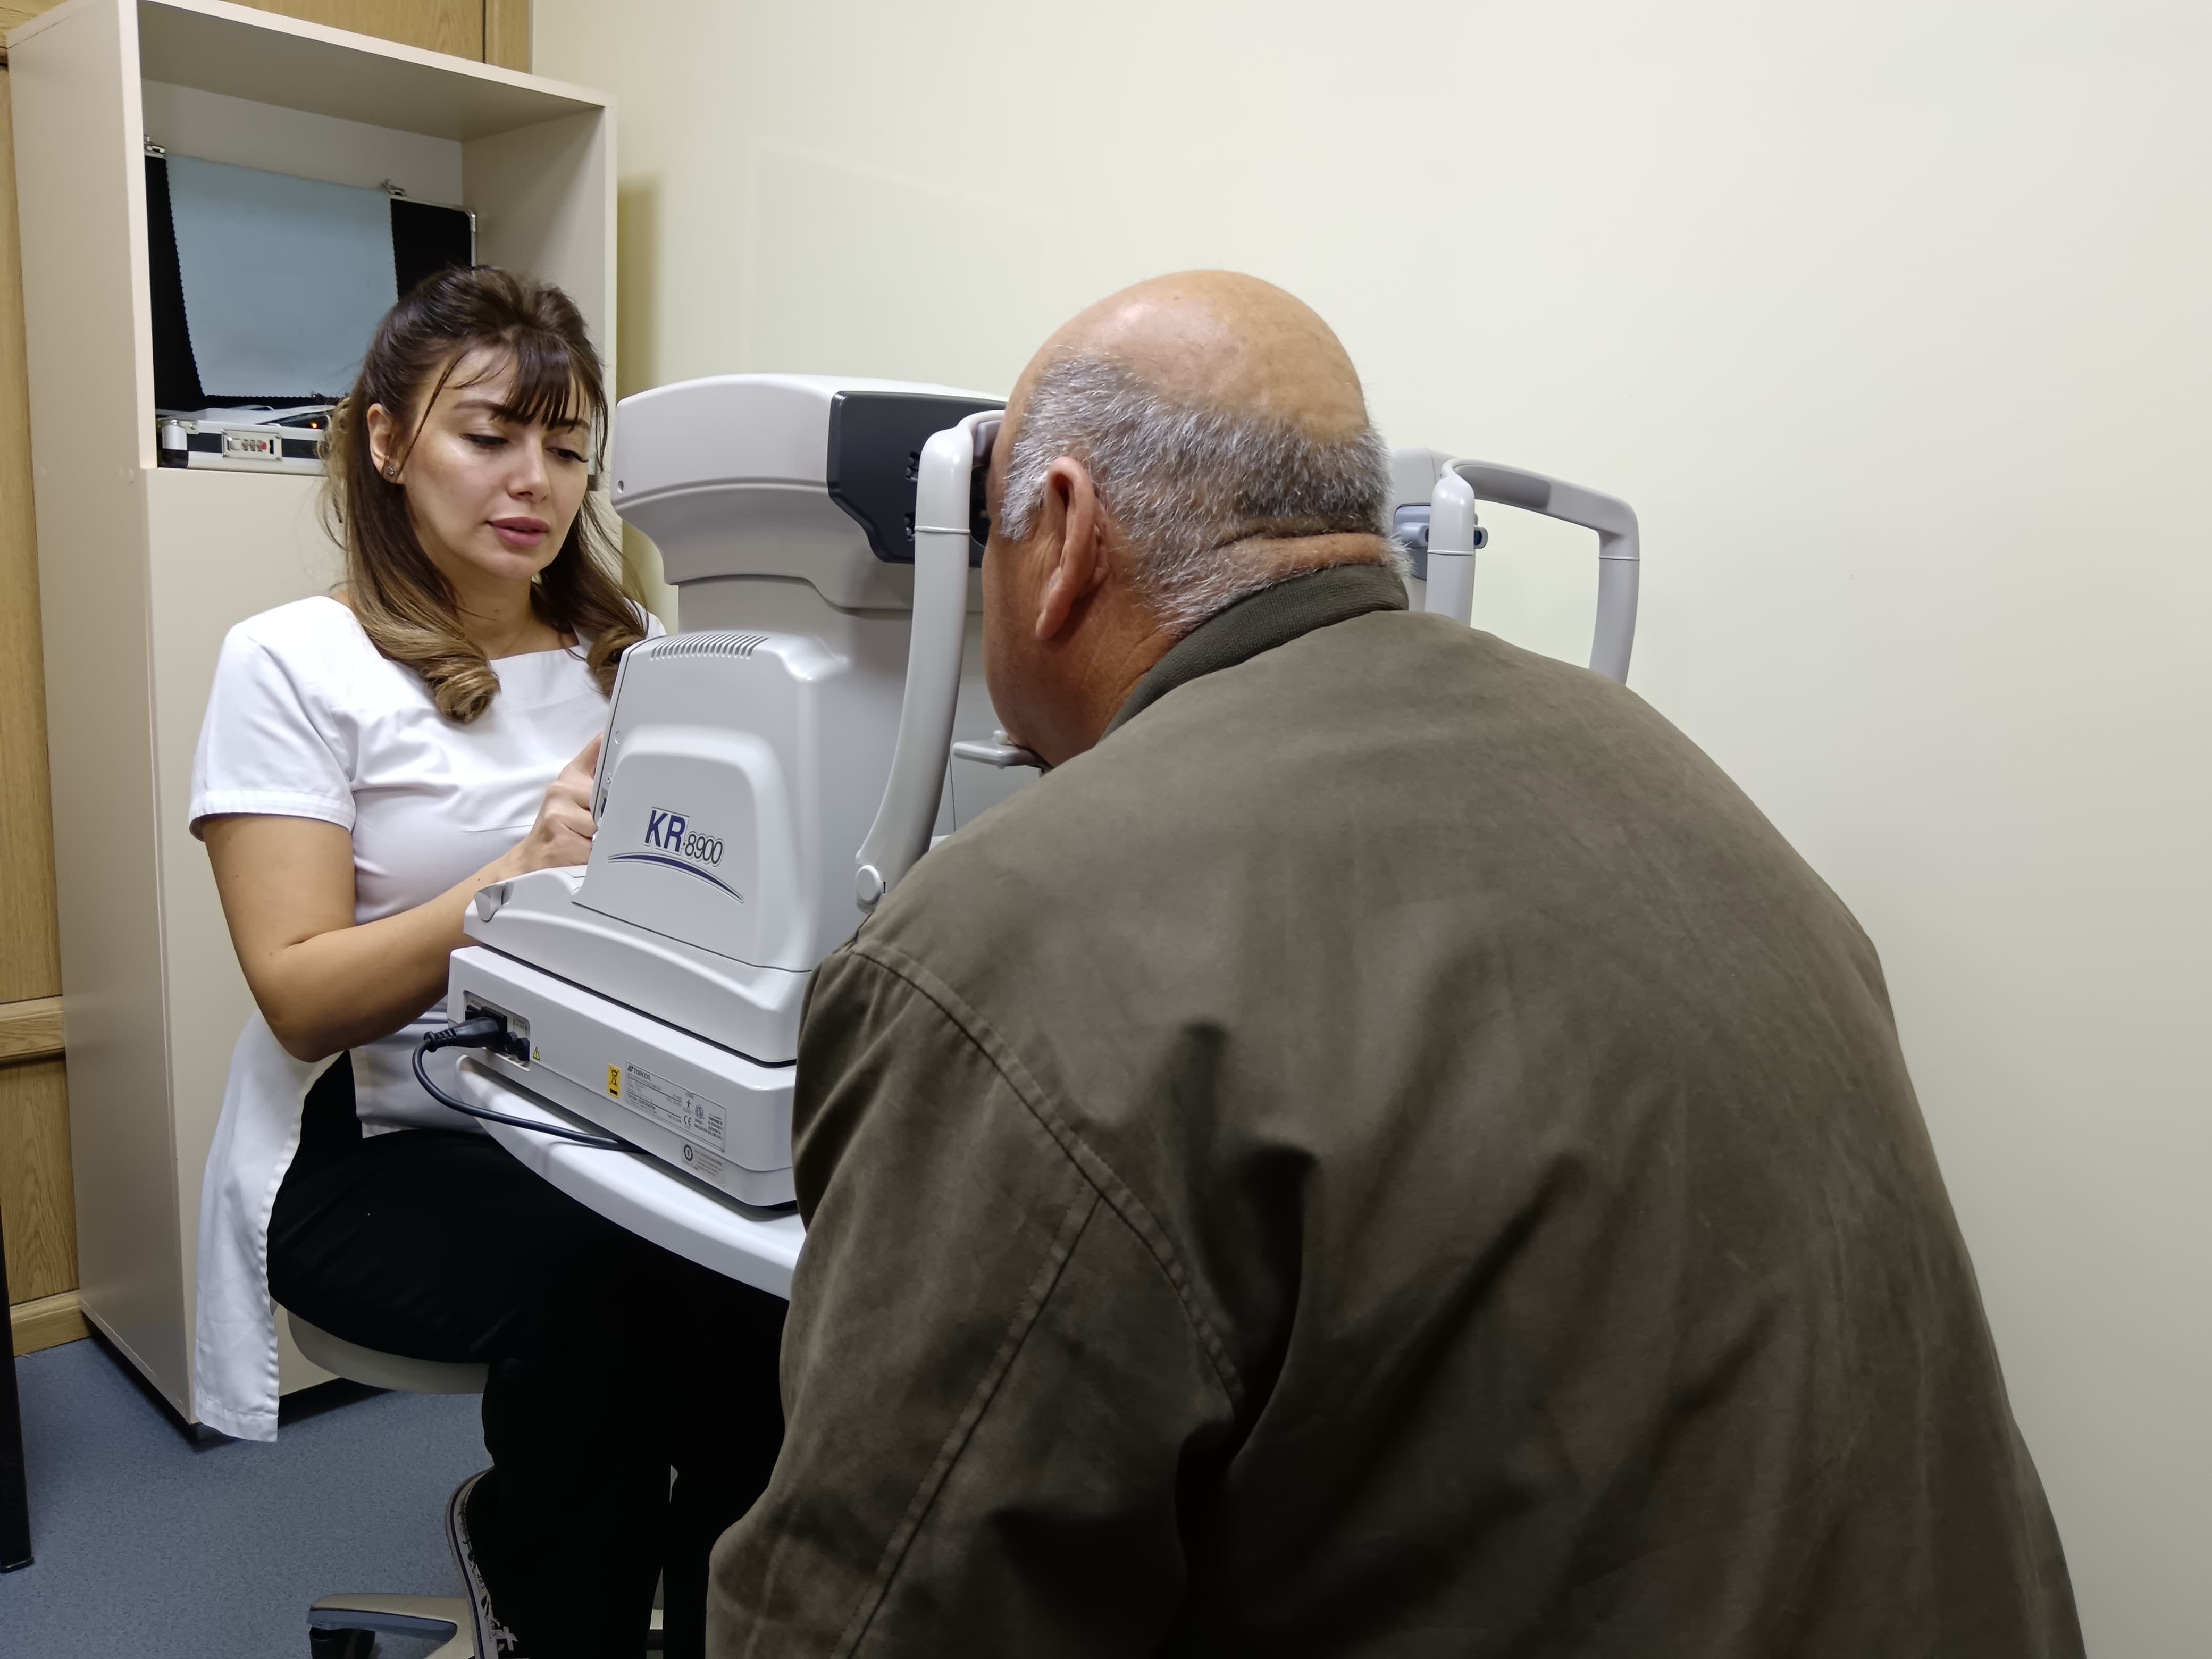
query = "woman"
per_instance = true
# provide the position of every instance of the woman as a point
(368, 761)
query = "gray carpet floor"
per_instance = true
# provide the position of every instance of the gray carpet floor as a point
(148, 1544)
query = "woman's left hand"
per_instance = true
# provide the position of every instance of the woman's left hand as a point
(563, 832)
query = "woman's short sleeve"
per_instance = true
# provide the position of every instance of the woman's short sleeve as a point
(262, 750)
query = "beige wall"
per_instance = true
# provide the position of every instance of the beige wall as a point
(1890, 320)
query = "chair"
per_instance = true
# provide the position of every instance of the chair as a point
(346, 1627)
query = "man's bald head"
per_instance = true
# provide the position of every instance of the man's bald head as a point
(1177, 446)
(1225, 428)
(1218, 340)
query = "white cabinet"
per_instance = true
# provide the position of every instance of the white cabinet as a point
(144, 568)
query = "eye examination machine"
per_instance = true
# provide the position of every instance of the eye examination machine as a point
(767, 773)
(771, 770)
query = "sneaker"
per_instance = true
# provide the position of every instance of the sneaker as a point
(493, 1639)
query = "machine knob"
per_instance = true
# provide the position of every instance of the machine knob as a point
(867, 886)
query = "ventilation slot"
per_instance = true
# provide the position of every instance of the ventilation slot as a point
(707, 645)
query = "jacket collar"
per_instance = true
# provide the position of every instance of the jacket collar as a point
(1260, 621)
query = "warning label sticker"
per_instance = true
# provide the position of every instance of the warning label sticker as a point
(693, 1116)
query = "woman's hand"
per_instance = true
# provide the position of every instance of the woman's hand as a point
(563, 832)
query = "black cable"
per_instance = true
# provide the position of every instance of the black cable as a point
(485, 1032)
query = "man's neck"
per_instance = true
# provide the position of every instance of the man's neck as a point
(1114, 675)
(1136, 641)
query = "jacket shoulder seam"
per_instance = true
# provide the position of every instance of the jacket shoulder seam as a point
(1016, 1337)
(1113, 1191)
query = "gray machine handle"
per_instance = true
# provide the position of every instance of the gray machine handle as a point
(1451, 533)
(900, 835)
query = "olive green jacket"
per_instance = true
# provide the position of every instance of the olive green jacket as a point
(1389, 1153)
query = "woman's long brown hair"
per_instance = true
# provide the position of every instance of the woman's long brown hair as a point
(404, 603)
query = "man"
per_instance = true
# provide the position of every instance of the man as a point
(1382, 1149)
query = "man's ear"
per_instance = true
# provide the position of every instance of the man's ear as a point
(1078, 561)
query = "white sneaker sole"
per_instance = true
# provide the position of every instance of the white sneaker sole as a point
(493, 1638)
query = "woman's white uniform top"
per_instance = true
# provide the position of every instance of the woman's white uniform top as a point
(306, 719)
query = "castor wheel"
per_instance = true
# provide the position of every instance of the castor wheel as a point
(340, 1643)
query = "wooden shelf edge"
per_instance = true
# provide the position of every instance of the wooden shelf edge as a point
(47, 1323)
(14, 12)
(30, 1029)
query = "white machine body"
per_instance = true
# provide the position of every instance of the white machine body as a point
(749, 756)
(777, 765)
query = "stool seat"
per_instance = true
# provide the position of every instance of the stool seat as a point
(383, 1371)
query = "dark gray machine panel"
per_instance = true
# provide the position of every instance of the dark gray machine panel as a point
(875, 461)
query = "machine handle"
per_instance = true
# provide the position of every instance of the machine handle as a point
(1002, 752)
(942, 536)
(1452, 535)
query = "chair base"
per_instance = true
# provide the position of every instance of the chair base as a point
(340, 1616)
(393, 1615)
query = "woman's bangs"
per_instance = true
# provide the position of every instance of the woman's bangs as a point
(546, 388)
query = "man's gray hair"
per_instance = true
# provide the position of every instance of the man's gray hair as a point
(1198, 494)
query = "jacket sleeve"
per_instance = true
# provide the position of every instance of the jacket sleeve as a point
(994, 1396)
